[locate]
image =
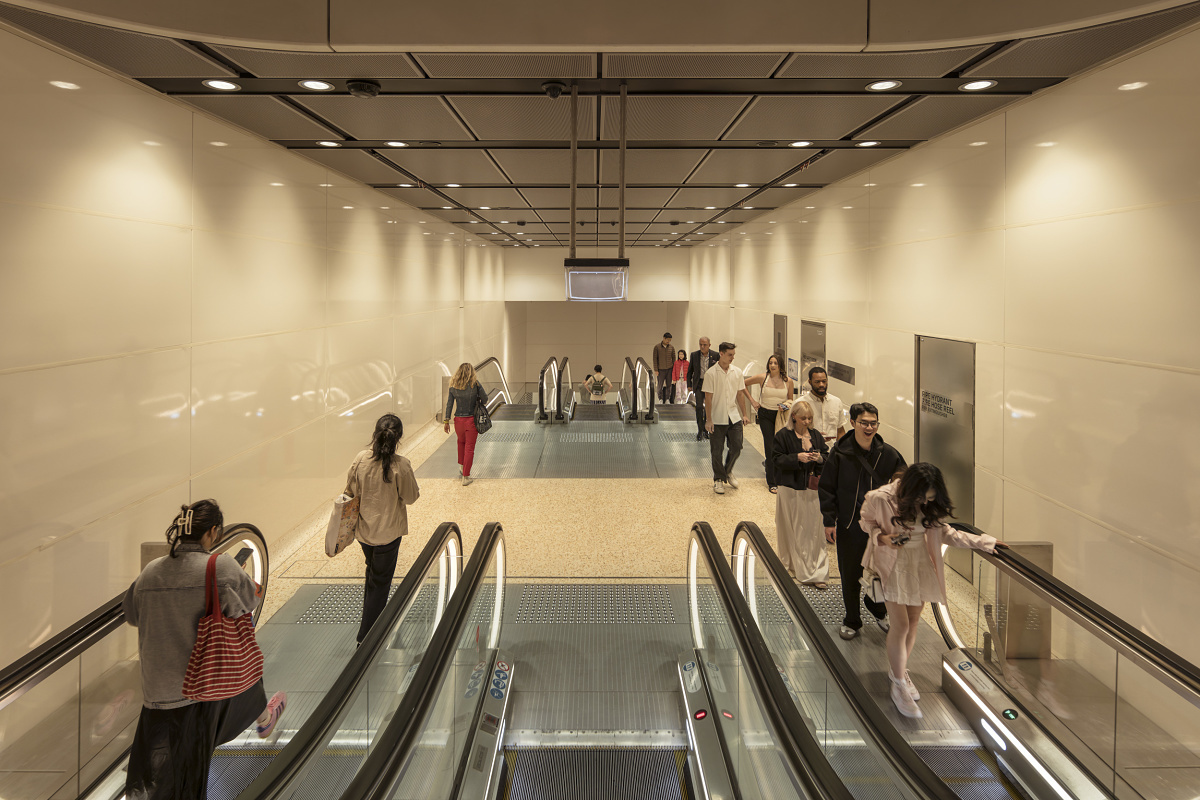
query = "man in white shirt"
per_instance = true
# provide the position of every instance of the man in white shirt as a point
(828, 410)
(724, 391)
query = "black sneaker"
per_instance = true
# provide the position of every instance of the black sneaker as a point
(700, 436)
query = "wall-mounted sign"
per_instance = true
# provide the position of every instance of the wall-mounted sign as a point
(793, 369)
(841, 372)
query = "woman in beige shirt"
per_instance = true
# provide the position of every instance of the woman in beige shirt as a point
(385, 485)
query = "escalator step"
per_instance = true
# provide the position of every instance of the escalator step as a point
(519, 411)
(550, 773)
(601, 413)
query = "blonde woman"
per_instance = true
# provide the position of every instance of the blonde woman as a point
(799, 451)
(465, 394)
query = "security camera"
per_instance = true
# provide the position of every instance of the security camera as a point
(520, 223)
(674, 222)
(363, 88)
(554, 89)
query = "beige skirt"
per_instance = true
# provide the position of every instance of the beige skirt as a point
(801, 534)
(913, 581)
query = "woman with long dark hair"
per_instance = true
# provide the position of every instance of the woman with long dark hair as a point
(176, 736)
(385, 485)
(774, 402)
(465, 393)
(906, 529)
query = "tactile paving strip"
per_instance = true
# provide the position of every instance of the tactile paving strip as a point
(339, 604)
(574, 603)
(680, 436)
(497, 435)
(595, 437)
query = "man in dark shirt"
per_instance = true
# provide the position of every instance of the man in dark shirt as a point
(662, 359)
(860, 462)
(700, 362)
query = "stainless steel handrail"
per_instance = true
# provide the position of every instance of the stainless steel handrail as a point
(544, 394)
(566, 409)
(651, 385)
(505, 393)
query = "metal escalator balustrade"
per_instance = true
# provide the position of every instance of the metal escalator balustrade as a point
(69, 708)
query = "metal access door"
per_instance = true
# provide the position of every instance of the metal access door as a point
(812, 347)
(945, 425)
(779, 344)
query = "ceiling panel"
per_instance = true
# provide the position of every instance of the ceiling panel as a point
(540, 118)
(508, 215)
(282, 64)
(508, 65)
(650, 166)
(417, 198)
(636, 198)
(1070, 53)
(776, 198)
(631, 217)
(545, 166)
(732, 217)
(388, 117)
(550, 198)
(691, 65)
(447, 166)
(920, 64)
(749, 166)
(796, 118)
(702, 198)
(474, 198)
(840, 163)
(358, 164)
(666, 117)
(926, 117)
(134, 54)
(269, 117)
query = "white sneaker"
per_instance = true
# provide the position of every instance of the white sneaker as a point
(883, 623)
(468, 480)
(912, 687)
(732, 481)
(903, 700)
(718, 487)
(847, 633)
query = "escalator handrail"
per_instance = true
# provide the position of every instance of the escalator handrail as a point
(1170, 668)
(382, 767)
(550, 362)
(650, 375)
(564, 381)
(809, 763)
(277, 779)
(503, 380)
(633, 393)
(42, 662)
(900, 755)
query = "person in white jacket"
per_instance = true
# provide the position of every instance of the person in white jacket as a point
(905, 525)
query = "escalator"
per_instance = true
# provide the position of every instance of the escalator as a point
(1030, 690)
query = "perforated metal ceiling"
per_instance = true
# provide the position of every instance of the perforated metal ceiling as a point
(699, 125)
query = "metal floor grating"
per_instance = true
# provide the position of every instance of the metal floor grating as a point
(512, 437)
(590, 412)
(572, 436)
(678, 436)
(338, 604)
(602, 773)
(573, 603)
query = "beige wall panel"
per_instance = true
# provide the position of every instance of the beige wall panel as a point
(901, 440)
(842, 216)
(413, 341)
(951, 287)
(361, 285)
(714, 320)
(836, 287)
(80, 442)
(892, 371)
(516, 315)
(446, 334)
(562, 323)
(709, 273)
(275, 485)
(1081, 431)
(753, 331)
(106, 297)
(243, 286)
(134, 161)
(249, 391)
(418, 396)
(989, 502)
(247, 186)
(849, 345)
(1122, 285)
(1089, 167)
(350, 430)
(990, 412)
(360, 362)
(359, 219)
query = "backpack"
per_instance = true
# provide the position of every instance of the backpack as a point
(597, 386)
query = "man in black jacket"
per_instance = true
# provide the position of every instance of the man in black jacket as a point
(859, 462)
(698, 364)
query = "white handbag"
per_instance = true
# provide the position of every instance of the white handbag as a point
(871, 584)
(343, 521)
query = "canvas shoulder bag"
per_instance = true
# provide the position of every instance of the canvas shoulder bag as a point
(483, 420)
(225, 660)
(343, 520)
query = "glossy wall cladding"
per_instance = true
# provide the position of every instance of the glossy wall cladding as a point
(1061, 237)
(187, 311)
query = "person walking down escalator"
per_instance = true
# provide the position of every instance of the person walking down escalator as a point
(176, 735)
(679, 378)
(906, 529)
(385, 485)
(597, 386)
(661, 360)
(465, 393)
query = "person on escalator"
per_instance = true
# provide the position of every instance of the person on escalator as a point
(465, 393)
(679, 378)
(906, 529)
(597, 386)
(385, 485)
(176, 736)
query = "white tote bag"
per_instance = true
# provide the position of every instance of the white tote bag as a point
(343, 520)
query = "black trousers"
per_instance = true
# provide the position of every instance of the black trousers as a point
(851, 544)
(173, 747)
(722, 464)
(766, 424)
(381, 565)
(664, 385)
(700, 417)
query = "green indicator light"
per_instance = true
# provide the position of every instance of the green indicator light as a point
(1009, 713)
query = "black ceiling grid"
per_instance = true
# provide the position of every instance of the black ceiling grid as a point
(676, 96)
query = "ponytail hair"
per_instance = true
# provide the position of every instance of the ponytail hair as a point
(192, 522)
(388, 430)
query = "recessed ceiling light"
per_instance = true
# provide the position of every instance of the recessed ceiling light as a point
(710, 208)
(800, 144)
(451, 185)
(150, 143)
(317, 86)
(519, 233)
(770, 222)
(810, 208)
(64, 85)
(537, 245)
(870, 184)
(325, 184)
(396, 144)
(472, 221)
(224, 86)
(386, 208)
(347, 207)
(426, 233)
(493, 233)
(1046, 144)
(485, 208)
(503, 222)
(691, 222)
(917, 185)
(219, 144)
(277, 184)
(720, 222)
(743, 185)
(882, 86)
(789, 185)
(406, 186)
(977, 86)
(976, 144)
(420, 222)
(847, 207)
(447, 208)
(743, 233)
(329, 144)
(866, 144)
(1130, 87)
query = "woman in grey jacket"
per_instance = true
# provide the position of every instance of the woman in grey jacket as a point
(176, 736)
(465, 393)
